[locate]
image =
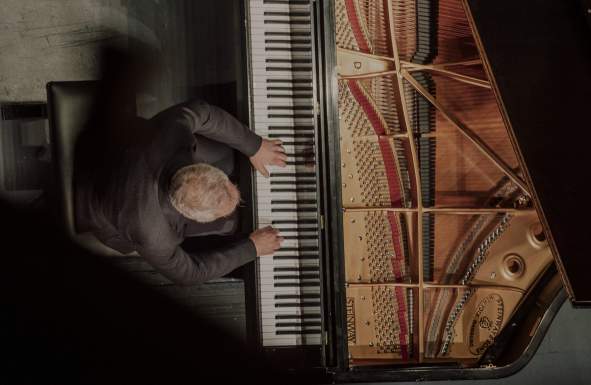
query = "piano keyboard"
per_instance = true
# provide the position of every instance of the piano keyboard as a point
(282, 107)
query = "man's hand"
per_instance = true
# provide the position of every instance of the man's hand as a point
(270, 153)
(266, 240)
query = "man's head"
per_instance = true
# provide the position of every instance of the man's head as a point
(203, 193)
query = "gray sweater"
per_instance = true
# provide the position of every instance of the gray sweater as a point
(123, 200)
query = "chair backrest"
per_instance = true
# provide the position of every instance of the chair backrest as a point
(69, 106)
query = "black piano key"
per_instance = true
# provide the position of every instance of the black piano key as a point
(293, 201)
(287, 41)
(297, 316)
(293, 96)
(298, 229)
(292, 332)
(293, 182)
(288, 49)
(297, 189)
(300, 236)
(296, 127)
(307, 155)
(298, 135)
(296, 269)
(300, 163)
(297, 276)
(296, 284)
(300, 249)
(298, 304)
(290, 13)
(287, 21)
(300, 2)
(296, 324)
(293, 221)
(298, 210)
(297, 296)
(286, 33)
(295, 257)
(273, 88)
(275, 80)
(290, 69)
(290, 116)
(295, 108)
(292, 61)
(293, 174)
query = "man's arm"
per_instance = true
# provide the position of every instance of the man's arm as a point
(212, 122)
(189, 269)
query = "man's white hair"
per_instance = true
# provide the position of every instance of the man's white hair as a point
(203, 193)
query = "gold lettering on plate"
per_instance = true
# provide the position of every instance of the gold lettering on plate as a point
(488, 320)
(351, 334)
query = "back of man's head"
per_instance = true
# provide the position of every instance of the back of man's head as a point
(203, 193)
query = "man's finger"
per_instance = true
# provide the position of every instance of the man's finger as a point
(281, 156)
(276, 141)
(263, 171)
(278, 162)
(279, 148)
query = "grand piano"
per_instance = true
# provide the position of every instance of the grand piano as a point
(430, 199)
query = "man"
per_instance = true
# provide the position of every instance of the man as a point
(165, 179)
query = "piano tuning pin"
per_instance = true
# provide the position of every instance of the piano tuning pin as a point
(352, 199)
(363, 298)
(370, 343)
(344, 185)
(343, 165)
(350, 175)
(359, 277)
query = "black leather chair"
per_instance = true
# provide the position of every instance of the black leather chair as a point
(68, 106)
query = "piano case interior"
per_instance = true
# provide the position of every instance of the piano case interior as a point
(436, 262)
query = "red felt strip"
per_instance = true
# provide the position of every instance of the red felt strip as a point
(356, 26)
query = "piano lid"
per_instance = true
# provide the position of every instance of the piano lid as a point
(538, 55)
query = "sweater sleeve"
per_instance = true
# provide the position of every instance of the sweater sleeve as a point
(212, 122)
(185, 268)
